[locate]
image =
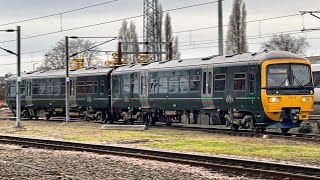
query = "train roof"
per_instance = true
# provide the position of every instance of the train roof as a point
(60, 73)
(315, 67)
(213, 60)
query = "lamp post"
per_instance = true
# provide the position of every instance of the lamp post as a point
(68, 86)
(18, 81)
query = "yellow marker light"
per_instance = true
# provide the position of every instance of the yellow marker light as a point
(274, 99)
(306, 99)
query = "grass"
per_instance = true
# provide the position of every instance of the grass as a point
(169, 139)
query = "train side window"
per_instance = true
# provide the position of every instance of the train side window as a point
(194, 83)
(219, 82)
(252, 80)
(102, 87)
(141, 85)
(173, 84)
(134, 84)
(49, 90)
(163, 85)
(153, 85)
(239, 81)
(63, 88)
(184, 84)
(204, 82)
(22, 88)
(316, 79)
(126, 85)
(70, 87)
(35, 89)
(80, 87)
(210, 83)
(42, 88)
(95, 87)
(56, 88)
(13, 89)
(89, 87)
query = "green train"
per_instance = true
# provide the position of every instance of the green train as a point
(253, 91)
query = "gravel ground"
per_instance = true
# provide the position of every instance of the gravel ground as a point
(21, 163)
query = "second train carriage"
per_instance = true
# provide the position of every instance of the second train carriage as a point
(257, 91)
(43, 93)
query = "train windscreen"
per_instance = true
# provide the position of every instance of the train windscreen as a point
(288, 76)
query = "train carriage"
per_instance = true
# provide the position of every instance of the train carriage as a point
(43, 93)
(250, 90)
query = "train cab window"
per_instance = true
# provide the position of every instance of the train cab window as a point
(35, 89)
(102, 87)
(219, 82)
(89, 87)
(42, 88)
(173, 84)
(204, 82)
(210, 83)
(153, 85)
(184, 84)
(56, 88)
(239, 81)
(252, 80)
(163, 85)
(95, 87)
(195, 83)
(63, 88)
(80, 87)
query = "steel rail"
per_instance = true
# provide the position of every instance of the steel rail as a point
(216, 163)
(271, 135)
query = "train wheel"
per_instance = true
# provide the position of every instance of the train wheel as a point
(168, 121)
(285, 130)
(48, 117)
(235, 127)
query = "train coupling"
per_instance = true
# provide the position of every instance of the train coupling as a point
(291, 114)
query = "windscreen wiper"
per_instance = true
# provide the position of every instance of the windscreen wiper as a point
(298, 82)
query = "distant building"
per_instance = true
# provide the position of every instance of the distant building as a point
(314, 59)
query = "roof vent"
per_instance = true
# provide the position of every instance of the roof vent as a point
(210, 57)
(231, 55)
(144, 64)
(180, 60)
(162, 62)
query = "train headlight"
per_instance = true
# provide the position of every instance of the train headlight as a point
(306, 99)
(274, 99)
(311, 91)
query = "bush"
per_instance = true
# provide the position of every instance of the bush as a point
(305, 128)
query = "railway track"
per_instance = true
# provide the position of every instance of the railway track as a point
(228, 165)
(244, 133)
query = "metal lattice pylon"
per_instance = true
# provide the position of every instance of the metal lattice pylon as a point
(152, 28)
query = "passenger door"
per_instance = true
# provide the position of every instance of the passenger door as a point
(207, 88)
(144, 100)
(72, 92)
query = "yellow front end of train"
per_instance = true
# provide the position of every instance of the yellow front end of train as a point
(287, 91)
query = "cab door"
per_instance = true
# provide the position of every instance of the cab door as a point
(207, 88)
(28, 92)
(144, 100)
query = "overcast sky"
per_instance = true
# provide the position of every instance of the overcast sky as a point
(198, 43)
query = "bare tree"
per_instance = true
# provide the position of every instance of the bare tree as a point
(175, 49)
(123, 34)
(133, 37)
(55, 58)
(286, 42)
(236, 41)
(168, 32)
